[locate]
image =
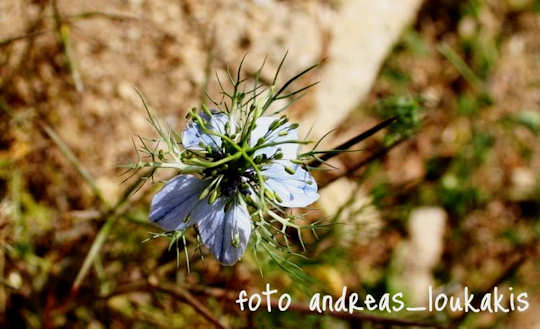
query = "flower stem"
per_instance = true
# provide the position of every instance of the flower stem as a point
(253, 149)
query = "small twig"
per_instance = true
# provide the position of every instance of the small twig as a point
(187, 297)
(209, 45)
(65, 41)
(461, 66)
(93, 252)
(100, 14)
(112, 215)
(25, 55)
(74, 161)
(10, 40)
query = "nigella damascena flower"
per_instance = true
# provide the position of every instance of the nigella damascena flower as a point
(254, 162)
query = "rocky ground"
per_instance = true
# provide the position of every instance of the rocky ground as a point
(467, 179)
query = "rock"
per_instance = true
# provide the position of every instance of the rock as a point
(361, 32)
(426, 229)
(416, 257)
(523, 185)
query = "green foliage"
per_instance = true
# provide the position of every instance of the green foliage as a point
(470, 104)
(436, 166)
(396, 75)
(411, 41)
(456, 198)
(472, 7)
(407, 112)
(527, 119)
(484, 54)
(379, 193)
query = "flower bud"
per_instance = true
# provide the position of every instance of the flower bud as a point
(249, 200)
(206, 110)
(213, 196)
(205, 192)
(260, 141)
(258, 159)
(276, 123)
(236, 240)
(269, 194)
(289, 170)
(198, 120)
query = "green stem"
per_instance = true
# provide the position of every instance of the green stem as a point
(253, 149)
(210, 164)
(94, 250)
(185, 169)
(75, 162)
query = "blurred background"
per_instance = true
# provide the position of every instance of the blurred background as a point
(453, 200)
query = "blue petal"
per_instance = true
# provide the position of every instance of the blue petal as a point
(193, 135)
(175, 201)
(225, 233)
(289, 150)
(296, 190)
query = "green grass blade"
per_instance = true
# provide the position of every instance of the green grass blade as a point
(94, 250)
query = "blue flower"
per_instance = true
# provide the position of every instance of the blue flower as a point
(280, 134)
(293, 185)
(293, 190)
(225, 232)
(222, 216)
(195, 139)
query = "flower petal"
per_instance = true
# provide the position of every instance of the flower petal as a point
(289, 150)
(193, 136)
(296, 190)
(225, 233)
(175, 201)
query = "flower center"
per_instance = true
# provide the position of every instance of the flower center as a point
(236, 176)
